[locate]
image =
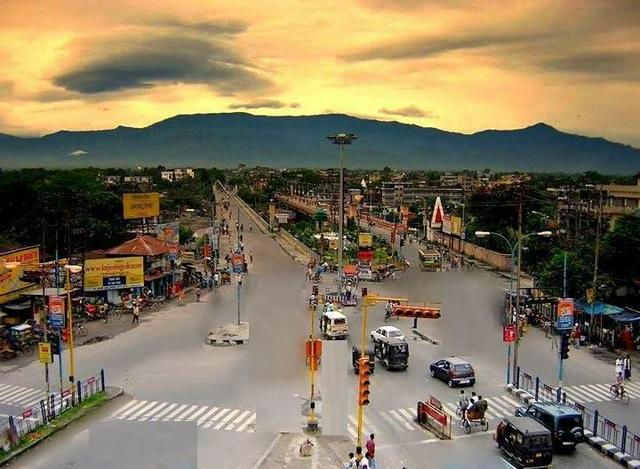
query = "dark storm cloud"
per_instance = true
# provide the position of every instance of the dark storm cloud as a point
(133, 63)
(612, 65)
(263, 103)
(428, 46)
(409, 111)
(204, 27)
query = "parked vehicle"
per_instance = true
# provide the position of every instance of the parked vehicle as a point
(454, 371)
(393, 353)
(525, 442)
(564, 422)
(22, 339)
(333, 324)
(355, 356)
(384, 333)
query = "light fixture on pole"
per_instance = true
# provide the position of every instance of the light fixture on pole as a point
(510, 316)
(71, 269)
(341, 140)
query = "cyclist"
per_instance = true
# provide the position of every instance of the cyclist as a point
(619, 384)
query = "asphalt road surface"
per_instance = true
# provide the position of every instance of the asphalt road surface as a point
(188, 404)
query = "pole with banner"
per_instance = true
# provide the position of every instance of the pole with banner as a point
(564, 323)
(45, 357)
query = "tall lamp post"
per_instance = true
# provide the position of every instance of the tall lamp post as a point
(71, 269)
(512, 248)
(341, 140)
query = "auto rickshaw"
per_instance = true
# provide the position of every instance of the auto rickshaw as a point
(22, 338)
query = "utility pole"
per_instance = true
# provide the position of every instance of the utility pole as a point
(517, 314)
(595, 264)
(341, 140)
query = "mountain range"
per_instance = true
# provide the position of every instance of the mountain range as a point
(228, 139)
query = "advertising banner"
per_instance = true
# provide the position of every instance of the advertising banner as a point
(365, 255)
(169, 233)
(565, 314)
(56, 312)
(456, 226)
(283, 217)
(438, 214)
(237, 261)
(509, 333)
(446, 224)
(114, 273)
(10, 283)
(140, 205)
(365, 240)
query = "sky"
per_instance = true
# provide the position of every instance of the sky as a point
(458, 65)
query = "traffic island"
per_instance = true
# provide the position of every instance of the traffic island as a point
(230, 334)
(75, 413)
(300, 451)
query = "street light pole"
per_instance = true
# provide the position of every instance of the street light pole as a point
(341, 140)
(69, 269)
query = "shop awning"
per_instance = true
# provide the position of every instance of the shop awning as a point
(598, 308)
(627, 316)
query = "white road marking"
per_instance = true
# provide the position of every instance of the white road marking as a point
(247, 422)
(153, 411)
(204, 418)
(164, 411)
(237, 420)
(399, 418)
(125, 407)
(216, 417)
(390, 421)
(195, 414)
(174, 413)
(137, 406)
(228, 417)
(139, 412)
(185, 413)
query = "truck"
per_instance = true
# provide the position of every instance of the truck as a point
(393, 353)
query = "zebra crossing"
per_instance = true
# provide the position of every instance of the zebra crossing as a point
(402, 419)
(204, 416)
(20, 396)
(584, 393)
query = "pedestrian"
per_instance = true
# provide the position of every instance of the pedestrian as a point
(309, 274)
(626, 363)
(239, 279)
(352, 464)
(251, 255)
(211, 283)
(241, 237)
(241, 246)
(136, 313)
(371, 451)
(348, 290)
(575, 334)
(216, 279)
(250, 227)
(619, 365)
(198, 293)
(241, 227)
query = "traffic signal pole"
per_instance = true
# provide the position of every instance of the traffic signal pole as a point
(363, 344)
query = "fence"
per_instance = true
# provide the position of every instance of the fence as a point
(49, 408)
(613, 433)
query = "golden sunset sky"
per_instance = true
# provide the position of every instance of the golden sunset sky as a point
(453, 64)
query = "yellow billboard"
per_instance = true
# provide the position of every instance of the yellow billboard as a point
(10, 283)
(456, 225)
(365, 240)
(140, 205)
(114, 273)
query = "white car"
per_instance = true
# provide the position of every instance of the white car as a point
(383, 333)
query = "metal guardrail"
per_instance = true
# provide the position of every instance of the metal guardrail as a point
(51, 407)
(613, 433)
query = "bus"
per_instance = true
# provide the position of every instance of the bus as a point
(430, 260)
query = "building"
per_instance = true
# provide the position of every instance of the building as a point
(396, 193)
(621, 199)
(463, 181)
(137, 179)
(177, 174)
(112, 180)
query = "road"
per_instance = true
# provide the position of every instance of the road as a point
(195, 405)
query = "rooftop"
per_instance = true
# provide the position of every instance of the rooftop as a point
(141, 245)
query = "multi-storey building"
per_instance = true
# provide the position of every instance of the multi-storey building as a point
(177, 174)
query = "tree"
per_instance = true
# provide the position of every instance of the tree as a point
(320, 216)
(621, 251)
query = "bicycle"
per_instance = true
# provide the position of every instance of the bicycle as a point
(615, 393)
(79, 330)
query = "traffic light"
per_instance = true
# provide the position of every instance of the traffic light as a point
(55, 344)
(420, 312)
(564, 346)
(364, 371)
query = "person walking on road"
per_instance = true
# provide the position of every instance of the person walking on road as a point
(198, 293)
(210, 283)
(619, 365)
(250, 227)
(239, 279)
(136, 313)
(626, 364)
(352, 464)
(251, 255)
(309, 274)
(216, 279)
(371, 451)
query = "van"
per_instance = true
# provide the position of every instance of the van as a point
(564, 422)
(525, 442)
(333, 325)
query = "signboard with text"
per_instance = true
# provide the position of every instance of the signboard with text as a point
(565, 314)
(509, 333)
(10, 283)
(113, 273)
(140, 205)
(365, 240)
(237, 261)
(56, 312)
(169, 233)
(44, 352)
